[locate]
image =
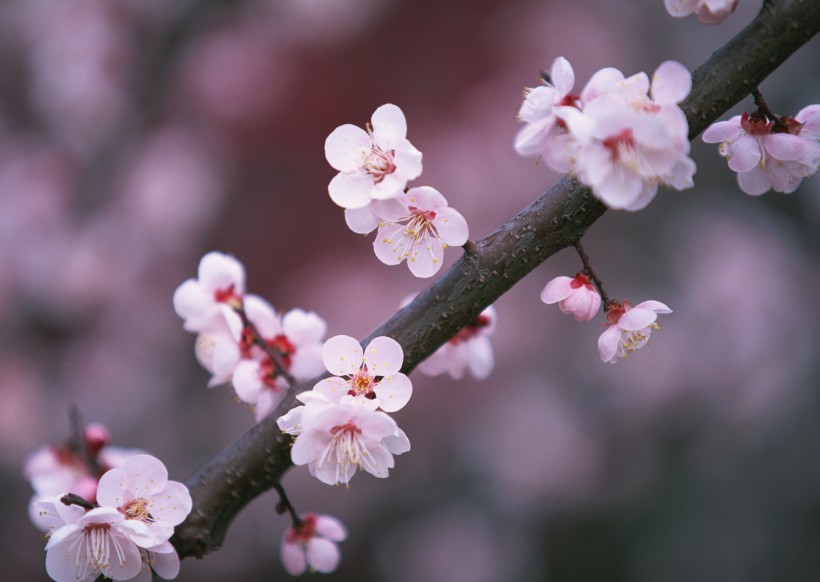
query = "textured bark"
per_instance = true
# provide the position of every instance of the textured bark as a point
(260, 457)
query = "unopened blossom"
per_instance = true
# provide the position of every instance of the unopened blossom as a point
(375, 164)
(628, 328)
(469, 350)
(218, 288)
(575, 296)
(769, 154)
(544, 133)
(296, 340)
(345, 437)
(140, 490)
(85, 544)
(372, 374)
(418, 230)
(312, 544)
(708, 11)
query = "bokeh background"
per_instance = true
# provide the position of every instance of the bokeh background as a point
(136, 135)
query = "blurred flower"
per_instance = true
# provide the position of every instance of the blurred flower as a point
(312, 544)
(708, 11)
(769, 154)
(375, 164)
(470, 349)
(575, 296)
(419, 229)
(372, 374)
(220, 283)
(628, 328)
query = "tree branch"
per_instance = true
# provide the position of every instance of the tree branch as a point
(259, 458)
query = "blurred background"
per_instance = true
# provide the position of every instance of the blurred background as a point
(136, 135)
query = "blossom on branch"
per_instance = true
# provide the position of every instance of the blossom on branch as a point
(708, 11)
(375, 164)
(628, 328)
(312, 544)
(418, 229)
(217, 290)
(470, 349)
(575, 296)
(769, 153)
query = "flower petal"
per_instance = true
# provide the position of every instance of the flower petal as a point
(389, 126)
(394, 392)
(351, 190)
(346, 147)
(557, 290)
(383, 356)
(342, 355)
(451, 227)
(361, 220)
(671, 83)
(323, 555)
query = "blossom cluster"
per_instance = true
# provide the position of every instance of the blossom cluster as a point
(621, 136)
(626, 329)
(708, 11)
(374, 167)
(769, 152)
(106, 511)
(242, 339)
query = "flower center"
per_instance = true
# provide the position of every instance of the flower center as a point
(616, 144)
(304, 532)
(137, 509)
(228, 295)
(362, 383)
(379, 163)
(470, 330)
(635, 340)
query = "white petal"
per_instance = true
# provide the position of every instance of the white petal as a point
(723, 131)
(389, 126)
(293, 558)
(557, 290)
(172, 505)
(451, 227)
(637, 318)
(394, 392)
(480, 360)
(361, 220)
(671, 83)
(303, 327)
(563, 77)
(146, 475)
(331, 528)
(342, 355)
(390, 244)
(246, 381)
(784, 146)
(351, 190)
(323, 555)
(425, 198)
(220, 271)
(427, 260)
(346, 147)
(754, 182)
(383, 356)
(333, 388)
(112, 487)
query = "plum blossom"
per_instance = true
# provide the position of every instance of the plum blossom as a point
(575, 296)
(372, 374)
(375, 164)
(140, 490)
(84, 544)
(296, 338)
(470, 349)
(628, 328)
(345, 436)
(312, 543)
(621, 136)
(708, 11)
(215, 293)
(769, 154)
(419, 229)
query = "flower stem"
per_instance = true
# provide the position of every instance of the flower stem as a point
(273, 354)
(589, 271)
(285, 505)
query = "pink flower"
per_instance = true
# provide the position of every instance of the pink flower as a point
(470, 349)
(140, 490)
(372, 374)
(296, 338)
(575, 296)
(312, 544)
(419, 229)
(219, 287)
(344, 437)
(768, 154)
(628, 328)
(375, 164)
(708, 11)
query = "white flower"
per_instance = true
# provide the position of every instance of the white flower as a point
(708, 11)
(313, 544)
(297, 340)
(372, 374)
(628, 328)
(344, 437)
(220, 283)
(141, 491)
(768, 154)
(88, 543)
(419, 229)
(375, 164)
(162, 560)
(575, 296)
(470, 349)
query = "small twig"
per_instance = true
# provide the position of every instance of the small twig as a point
(273, 354)
(285, 505)
(589, 271)
(74, 499)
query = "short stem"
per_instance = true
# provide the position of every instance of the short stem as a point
(74, 499)
(762, 106)
(273, 354)
(285, 505)
(588, 269)
(470, 248)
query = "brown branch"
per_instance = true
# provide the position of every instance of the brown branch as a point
(259, 458)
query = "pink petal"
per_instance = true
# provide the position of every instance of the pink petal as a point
(608, 343)
(361, 220)
(378, 462)
(303, 327)
(342, 355)
(220, 271)
(408, 161)
(637, 318)
(397, 443)
(744, 153)
(389, 126)
(112, 487)
(784, 146)
(173, 505)
(146, 475)
(330, 528)
(426, 261)
(191, 300)
(166, 564)
(655, 306)
(451, 227)
(394, 392)
(391, 186)
(563, 77)
(723, 131)
(293, 558)
(383, 356)
(754, 182)
(246, 381)
(262, 315)
(351, 190)
(308, 446)
(323, 555)
(333, 388)
(390, 244)
(267, 402)
(556, 290)
(346, 147)
(671, 83)
(425, 198)
(480, 357)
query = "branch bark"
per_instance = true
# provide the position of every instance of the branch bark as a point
(260, 457)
